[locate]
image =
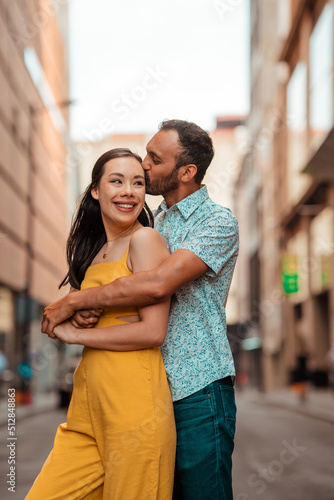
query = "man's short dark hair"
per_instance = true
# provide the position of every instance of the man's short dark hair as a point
(196, 143)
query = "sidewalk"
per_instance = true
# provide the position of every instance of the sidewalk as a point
(41, 403)
(319, 403)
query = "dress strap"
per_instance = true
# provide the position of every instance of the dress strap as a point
(125, 256)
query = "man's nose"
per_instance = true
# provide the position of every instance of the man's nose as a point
(146, 163)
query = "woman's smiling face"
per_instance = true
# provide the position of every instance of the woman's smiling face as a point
(121, 191)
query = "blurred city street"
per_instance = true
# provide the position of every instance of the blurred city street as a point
(275, 452)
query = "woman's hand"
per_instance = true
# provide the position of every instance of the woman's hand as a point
(66, 332)
(86, 318)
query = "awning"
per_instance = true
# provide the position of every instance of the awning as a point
(321, 165)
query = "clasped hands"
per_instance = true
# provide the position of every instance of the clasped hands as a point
(61, 321)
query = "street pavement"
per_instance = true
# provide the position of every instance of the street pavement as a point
(35, 435)
(280, 454)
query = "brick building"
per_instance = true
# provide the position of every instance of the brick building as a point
(285, 191)
(33, 195)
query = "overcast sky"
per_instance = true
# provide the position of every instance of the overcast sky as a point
(134, 63)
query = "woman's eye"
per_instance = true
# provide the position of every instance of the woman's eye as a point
(115, 181)
(139, 183)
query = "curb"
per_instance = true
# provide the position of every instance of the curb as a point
(42, 403)
(306, 412)
(325, 413)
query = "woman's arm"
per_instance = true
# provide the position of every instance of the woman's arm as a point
(147, 251)
(139, 289)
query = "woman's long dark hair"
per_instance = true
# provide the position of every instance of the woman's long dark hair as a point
(87, 233)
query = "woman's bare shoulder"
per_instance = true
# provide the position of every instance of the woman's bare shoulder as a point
(146, 235)
(147, 249)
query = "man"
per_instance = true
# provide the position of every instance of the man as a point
(203, 239)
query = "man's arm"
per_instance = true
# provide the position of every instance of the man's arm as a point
(210, 246)
(139, 289)
(88, 317)
(147, 251)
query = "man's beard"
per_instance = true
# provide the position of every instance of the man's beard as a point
(162, 186)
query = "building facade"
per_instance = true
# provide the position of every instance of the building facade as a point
(33, 194)
(220, 179)
(285, 189)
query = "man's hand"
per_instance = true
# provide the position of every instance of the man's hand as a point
(86, 318)
(56, 313)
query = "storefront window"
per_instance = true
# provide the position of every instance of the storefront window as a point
(321, 78)
(322, 245)
(6, 311)
(295, 263)
(7, 345)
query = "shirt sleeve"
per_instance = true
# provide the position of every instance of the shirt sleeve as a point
(215, 241)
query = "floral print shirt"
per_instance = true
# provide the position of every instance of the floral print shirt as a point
(196, 351)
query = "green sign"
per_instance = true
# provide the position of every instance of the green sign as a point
(290, 282)
(290, 278)
(325, 270)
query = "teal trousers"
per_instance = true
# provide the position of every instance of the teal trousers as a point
(205, 424)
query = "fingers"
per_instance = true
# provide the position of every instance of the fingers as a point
(44, 323)
(74, 323)
(49, 328)
(83, 324)
(43, 327)
(88, 313)
(83, 319)
(51, 335)
(91, 321)
(96, 312)
(84, 313)
(47, 324)
(57, 313)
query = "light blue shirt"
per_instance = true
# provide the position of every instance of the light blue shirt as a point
(196, 351)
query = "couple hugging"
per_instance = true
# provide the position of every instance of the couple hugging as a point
(152, 415)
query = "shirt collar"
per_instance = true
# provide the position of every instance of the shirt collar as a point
(189, 204)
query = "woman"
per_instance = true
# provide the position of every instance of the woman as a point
(119, 439)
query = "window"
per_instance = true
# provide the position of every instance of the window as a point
(321, 78)
(322, 244)
(38, 77)
(296, 261)
(283, 18)
(297, 131)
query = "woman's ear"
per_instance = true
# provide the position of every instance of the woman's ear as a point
(95, 193)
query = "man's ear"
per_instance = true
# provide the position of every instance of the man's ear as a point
(95, 193)
(188, 172)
